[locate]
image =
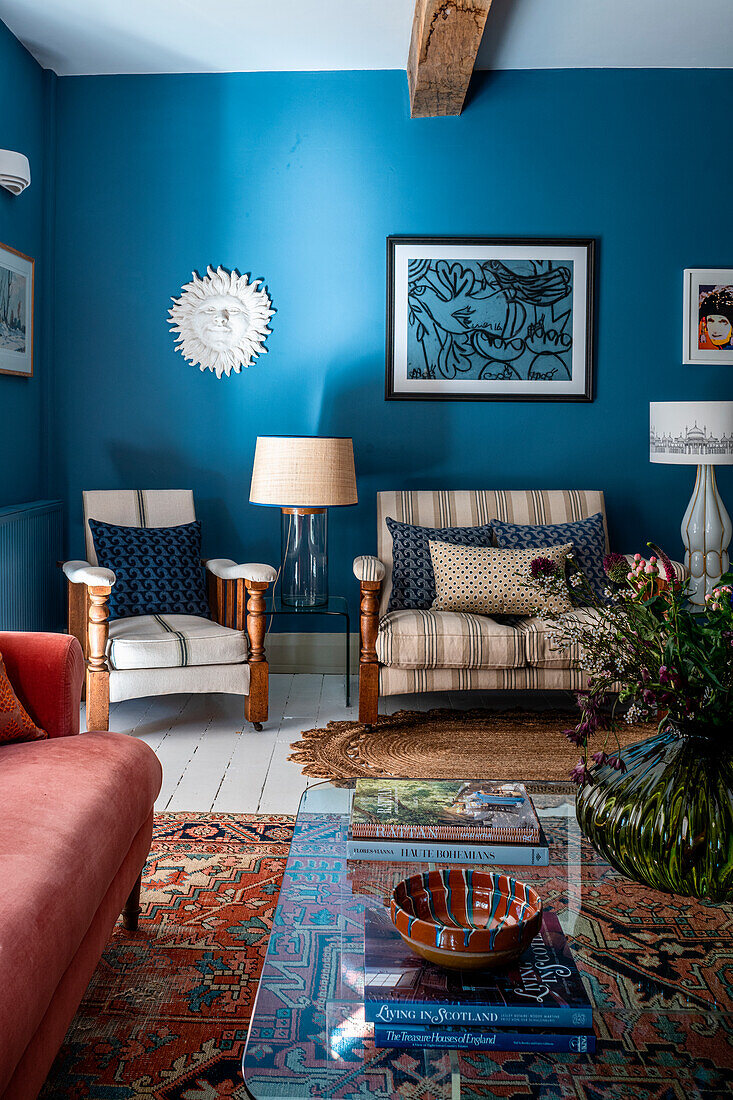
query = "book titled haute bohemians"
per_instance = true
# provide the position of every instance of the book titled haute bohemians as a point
(542, 989)
(443, 820)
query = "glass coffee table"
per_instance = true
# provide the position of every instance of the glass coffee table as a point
(658, 969)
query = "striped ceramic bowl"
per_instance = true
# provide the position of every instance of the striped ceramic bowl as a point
(464, 919)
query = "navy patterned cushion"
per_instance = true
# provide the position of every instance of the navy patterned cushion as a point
(158, 569)
(588, 537)
(413, 581)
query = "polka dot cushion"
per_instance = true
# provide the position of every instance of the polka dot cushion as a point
(487, 581)
(15, 722)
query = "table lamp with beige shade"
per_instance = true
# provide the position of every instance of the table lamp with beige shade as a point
(698, 433)
(303, 476)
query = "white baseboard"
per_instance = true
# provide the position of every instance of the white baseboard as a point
(311, 653)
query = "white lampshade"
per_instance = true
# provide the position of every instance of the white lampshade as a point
(295, 471)
(691, 433)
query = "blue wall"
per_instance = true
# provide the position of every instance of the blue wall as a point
(299, 178)
(23, 122)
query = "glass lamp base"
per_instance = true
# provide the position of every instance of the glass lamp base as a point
(304, 536)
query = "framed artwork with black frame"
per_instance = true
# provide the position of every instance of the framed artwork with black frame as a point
(16, 312)
(490, 319)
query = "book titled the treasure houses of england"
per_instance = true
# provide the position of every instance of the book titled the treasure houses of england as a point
(531, 1039)
(542, 989)
(444, 820)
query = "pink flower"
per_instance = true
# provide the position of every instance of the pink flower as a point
(669, 573)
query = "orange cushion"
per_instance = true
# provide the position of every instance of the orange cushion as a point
(16, 723)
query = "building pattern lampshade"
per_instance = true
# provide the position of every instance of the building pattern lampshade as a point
(691, 433)
(698, 433)
(303, 472)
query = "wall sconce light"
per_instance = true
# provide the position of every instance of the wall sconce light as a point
(15, 171)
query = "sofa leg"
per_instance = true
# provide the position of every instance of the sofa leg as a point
(368, 694)
(132, 909)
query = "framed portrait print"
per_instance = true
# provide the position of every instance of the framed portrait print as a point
(16, 312)
(489, 319)
(708, 315)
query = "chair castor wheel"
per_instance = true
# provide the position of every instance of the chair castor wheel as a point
(257, 726)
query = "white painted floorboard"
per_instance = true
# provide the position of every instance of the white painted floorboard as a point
(215, 761)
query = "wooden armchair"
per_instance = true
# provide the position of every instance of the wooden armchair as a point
(141, 655)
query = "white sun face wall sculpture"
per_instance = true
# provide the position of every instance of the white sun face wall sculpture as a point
(221, 321)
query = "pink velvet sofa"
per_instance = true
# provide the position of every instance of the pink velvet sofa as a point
(76, 817)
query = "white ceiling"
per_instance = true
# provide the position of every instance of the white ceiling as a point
(82, 37)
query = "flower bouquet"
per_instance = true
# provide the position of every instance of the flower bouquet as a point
(661, 811)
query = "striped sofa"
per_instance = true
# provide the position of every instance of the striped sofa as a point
(413, 651)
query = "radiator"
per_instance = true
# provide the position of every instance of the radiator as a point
(31, 584)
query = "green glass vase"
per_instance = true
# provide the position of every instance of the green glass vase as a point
(667, 821)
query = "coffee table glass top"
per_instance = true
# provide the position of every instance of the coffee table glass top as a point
(658, 969)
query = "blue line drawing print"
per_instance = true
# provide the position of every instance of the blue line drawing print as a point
(490, 320)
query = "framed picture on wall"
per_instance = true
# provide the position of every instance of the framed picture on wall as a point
(16, 312)
(489, 319)
(708, 315)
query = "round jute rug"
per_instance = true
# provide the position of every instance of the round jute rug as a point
(451, 744)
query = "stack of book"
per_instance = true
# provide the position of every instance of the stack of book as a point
(537, 1003)
(445, 821)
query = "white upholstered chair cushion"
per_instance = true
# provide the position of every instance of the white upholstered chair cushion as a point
(448, 639)
(173, 641)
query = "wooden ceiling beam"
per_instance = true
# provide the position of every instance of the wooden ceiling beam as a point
(446, 35)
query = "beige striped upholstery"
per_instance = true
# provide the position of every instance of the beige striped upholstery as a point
(470, 507)
(403, 681)
(368, 568)
(448, 639)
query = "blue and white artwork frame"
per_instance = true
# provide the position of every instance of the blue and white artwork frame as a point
(16, 312)
(489, 319)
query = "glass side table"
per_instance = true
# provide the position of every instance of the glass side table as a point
(657, 968)
(336, 605)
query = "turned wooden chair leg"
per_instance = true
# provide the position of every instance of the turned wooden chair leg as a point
(256, 703)
(368, 664)
(132, 909)
(97, 679)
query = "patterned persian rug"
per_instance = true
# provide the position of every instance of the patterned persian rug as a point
(451, 744)
(165, 1016)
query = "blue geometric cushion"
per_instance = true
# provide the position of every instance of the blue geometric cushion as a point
(588, 537)
(413, 581)
(158, 569)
